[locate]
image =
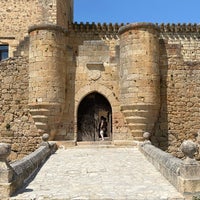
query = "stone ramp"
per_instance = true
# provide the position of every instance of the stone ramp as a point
(98, 173)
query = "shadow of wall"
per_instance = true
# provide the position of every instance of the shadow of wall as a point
(160, 136)
(180, 75)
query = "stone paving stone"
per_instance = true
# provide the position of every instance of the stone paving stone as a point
(98, 173)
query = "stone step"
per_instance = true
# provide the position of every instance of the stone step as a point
(139, 107)
(40, 118)
(125, 143)
(137, 126)
(138, 113)
(41, 125)
(40, 111)
(135, 119)
(141, 126)
(137, 133)
(95, 144)
(65, 144)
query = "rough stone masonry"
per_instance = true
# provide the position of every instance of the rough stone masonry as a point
(61, 77)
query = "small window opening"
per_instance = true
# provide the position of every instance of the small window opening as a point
(3, 52)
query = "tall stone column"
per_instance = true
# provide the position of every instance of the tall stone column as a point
(47, 76)
(139, 75)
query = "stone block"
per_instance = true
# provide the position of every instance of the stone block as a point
(5, 190)
(188, 186)
(190, 171)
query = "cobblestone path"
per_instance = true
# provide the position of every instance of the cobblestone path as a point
(98, 173)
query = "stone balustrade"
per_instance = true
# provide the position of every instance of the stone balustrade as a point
(183, 174)
(14, 175)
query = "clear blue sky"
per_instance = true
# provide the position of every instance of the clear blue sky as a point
(128, 11)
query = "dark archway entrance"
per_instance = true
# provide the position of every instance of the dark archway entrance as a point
(90, 110)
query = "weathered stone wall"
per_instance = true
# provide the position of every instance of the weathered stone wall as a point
(93, 45)
(47, 76)
(65, 15)
(17, 16)
(139, 76)
(16, 124)
(56, 12)
(15, 20)
(180, 89)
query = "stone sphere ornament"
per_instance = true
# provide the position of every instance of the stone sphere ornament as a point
(45, 137)
(189, 148)
(146, 136)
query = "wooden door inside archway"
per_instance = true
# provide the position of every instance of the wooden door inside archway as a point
(90, 110)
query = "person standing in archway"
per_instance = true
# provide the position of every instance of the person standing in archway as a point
(102, 127)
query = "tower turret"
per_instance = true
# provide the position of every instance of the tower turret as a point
(140, 78)
(58, 12)
(47, 55)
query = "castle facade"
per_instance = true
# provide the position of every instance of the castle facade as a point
(60, 77)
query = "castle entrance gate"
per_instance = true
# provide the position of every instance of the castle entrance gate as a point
(90, 110)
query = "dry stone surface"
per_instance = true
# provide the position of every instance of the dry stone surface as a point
(154, 65)
(99, 173)
(16, 125)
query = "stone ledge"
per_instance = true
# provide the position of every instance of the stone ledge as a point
(185, 177)
(125, 143)
(46, 27)
(14, 176)
(140, 25)
(164, 162)
(24, 169)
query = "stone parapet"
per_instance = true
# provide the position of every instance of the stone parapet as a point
(95, 27)
(178, 28)
(136, 26)
(167, 164)
(121, 27)
(183, 175)
(46, 27)
(14, 175)
(25, 168)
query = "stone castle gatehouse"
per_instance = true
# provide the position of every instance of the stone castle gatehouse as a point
(60, 77)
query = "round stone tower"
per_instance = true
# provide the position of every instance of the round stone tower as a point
(47, 55)
(139, 76)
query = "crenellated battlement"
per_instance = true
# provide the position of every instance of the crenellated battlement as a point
(95, 27)
(114, 28)
(178, 28)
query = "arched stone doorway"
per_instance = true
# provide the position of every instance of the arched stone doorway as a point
(90, 110)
